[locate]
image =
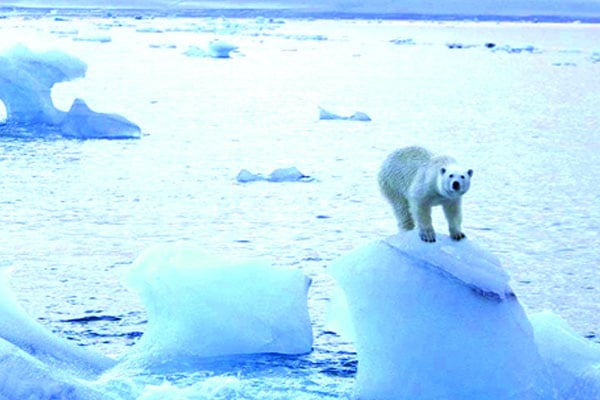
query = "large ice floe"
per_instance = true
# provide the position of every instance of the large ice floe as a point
(440, 321)
(26, 81)
(201, 306)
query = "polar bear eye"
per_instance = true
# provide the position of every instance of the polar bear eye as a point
(451, 175)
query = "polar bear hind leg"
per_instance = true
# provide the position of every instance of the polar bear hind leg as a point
(403, 215)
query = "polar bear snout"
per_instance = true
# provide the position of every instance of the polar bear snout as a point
(456, 186)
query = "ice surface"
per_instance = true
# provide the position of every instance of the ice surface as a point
(22, 376)
(17, 328)
(573, 361)
(26, 81)
(202, 306)
(428, 329)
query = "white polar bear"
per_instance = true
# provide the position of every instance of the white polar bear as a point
(413, 181)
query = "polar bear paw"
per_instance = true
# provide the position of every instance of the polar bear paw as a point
(458, 236)
(427, 235)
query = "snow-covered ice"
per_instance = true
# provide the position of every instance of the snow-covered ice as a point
(439, 321)
(428, 329)
(26, 81)
(199, 305)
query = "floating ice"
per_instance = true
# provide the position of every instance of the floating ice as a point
(35, 364)
(220, 49)
(515, 50)
(290, 174)
(202, 306)
(22, 376)
(97, 39)
(83, 123)
(403, 41)
(438, 321)
(26, 81)
(216, 49)
(573, 361)
(595, 57)
(357, 116)
(17, 328)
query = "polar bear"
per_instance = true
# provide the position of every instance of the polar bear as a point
(413, 180)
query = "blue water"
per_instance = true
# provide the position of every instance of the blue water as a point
(75, 214)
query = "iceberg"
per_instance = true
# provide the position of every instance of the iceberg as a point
(438, 321)
(200, 306)
(26, 81)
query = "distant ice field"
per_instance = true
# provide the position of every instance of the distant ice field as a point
(518, 103)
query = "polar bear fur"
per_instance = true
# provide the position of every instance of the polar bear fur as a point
(413, 180)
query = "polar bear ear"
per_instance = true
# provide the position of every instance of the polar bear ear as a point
(470, 173)
(443, 171)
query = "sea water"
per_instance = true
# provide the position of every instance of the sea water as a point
(75, 214)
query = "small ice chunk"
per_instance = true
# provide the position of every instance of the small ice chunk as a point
(83, 123)
(220, 49)
(245, 176)
(357, 116)
(290, 174)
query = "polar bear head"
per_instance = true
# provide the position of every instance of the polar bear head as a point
(454, 181)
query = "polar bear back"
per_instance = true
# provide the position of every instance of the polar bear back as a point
(411, 172)
(399, 169)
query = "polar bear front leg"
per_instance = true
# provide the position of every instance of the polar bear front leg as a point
(422, 215)
(453, 213)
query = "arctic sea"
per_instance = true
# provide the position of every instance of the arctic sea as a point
(516, 102)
